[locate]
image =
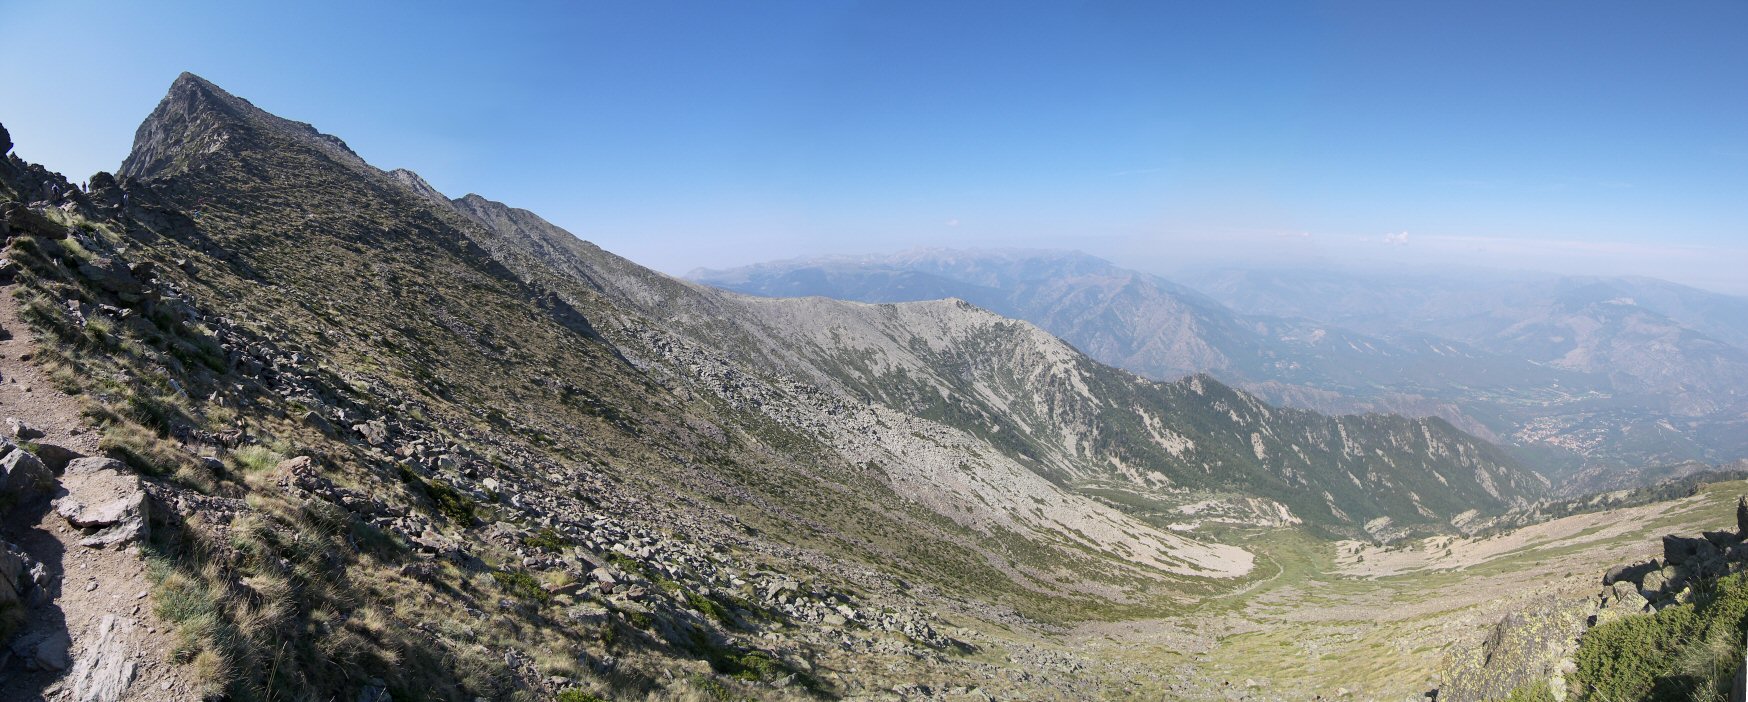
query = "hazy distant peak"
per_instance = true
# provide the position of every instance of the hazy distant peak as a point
(985, 267)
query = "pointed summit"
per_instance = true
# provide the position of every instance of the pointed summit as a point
(197, 121)
(417, 184)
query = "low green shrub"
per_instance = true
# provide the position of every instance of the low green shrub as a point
(546, 539)
(521, 585)
(1539, 692)
(1684, 652)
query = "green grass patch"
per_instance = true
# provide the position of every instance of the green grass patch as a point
(451, 503)
(709, 607)
(256, 458)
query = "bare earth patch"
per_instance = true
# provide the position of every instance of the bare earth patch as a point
(120, 650)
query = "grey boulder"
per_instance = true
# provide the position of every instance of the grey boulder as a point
(107, 502)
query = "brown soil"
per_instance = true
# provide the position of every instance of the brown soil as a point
(92, 583)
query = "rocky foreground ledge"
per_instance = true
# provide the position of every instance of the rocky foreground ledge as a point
(1686, 562)
(1532, 654)
(53, 622)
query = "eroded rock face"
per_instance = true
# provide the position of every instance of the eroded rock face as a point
(1622, 598)
(1630, 573)
(55, 457)
(111, 275)
(49, 650)
(1678, 550)
(106, 501)
(22, 431)
(17, 581)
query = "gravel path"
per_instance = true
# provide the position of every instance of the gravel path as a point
(119, 649)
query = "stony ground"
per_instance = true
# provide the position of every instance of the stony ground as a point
(117, 647)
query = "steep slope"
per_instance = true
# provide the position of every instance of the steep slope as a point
(1038, 401)
(457, 440)
(473, 337)
(441, 449)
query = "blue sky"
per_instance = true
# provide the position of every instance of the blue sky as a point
(1577, 137)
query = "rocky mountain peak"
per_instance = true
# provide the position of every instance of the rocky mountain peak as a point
(198, 120)
(505, 219)
(418, 185)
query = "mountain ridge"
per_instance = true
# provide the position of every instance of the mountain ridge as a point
(1578, 391)
(450, 450)
(799, 315)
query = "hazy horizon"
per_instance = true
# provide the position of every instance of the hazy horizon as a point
(1163, 138)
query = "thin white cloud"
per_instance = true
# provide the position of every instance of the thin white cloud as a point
(1396, 239)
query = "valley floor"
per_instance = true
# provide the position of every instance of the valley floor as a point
(1321, 620)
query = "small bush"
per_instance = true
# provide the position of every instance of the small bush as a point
(1682, 652)
(748, 665)
(521, 585)
(100, 332)
(641, 620)
(451, 503)
(575, 695)
(1539, 692)
(159, 413)
(714, 689)
(709, 607)
(46, 316)
(545, 539)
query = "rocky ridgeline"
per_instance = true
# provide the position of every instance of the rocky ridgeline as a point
(1686, 562)
(619, 568)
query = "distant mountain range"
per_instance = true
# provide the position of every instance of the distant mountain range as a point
(452, 451)
(1646, 335)
(1579, 374)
